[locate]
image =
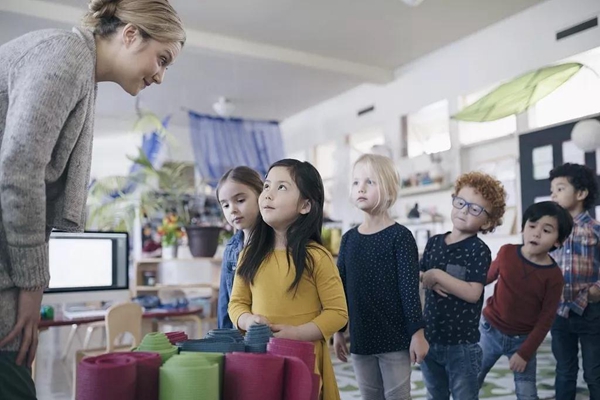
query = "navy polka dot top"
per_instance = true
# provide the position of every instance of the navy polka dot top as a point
(380, 274)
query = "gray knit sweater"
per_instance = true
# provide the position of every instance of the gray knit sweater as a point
(47, 99)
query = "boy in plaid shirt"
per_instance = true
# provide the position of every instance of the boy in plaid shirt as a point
(575, 188)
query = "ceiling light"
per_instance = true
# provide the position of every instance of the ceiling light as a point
(223, 107)
(412, 3)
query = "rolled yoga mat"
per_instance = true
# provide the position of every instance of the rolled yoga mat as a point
(147, 376)
(106, 377)
(225, 333)
(189, 377)
(298, 380)
(294, 348)
(257, 337)
(157, 342)
(213, 345)
(253, 377)
(212, 358)
(176, 337)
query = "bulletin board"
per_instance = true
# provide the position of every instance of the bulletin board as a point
(544, 149)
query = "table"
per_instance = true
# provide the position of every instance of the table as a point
(60, 320)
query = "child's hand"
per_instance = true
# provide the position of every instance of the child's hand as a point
(257, 319)
(429, 278)
(593, 294)
(516, 363)
(340, 347)
(419, 347)
(438, 289)
(285, 332)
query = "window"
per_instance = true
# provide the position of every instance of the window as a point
(363, 142)
(324, 161)
(576, 98)
(325, 164)
(427, 131)
(474, 132)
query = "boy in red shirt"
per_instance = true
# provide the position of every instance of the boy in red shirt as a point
(520, 313)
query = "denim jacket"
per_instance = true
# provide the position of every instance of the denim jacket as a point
(228, 267)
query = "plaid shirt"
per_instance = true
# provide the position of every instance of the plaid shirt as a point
(579, 260)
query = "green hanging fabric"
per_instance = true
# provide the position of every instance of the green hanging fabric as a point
(518, 95)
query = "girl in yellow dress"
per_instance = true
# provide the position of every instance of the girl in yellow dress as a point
(285, 277)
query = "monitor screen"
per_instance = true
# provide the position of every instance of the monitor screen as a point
(88, 261)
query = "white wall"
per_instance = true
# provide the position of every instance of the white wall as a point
(502, 51)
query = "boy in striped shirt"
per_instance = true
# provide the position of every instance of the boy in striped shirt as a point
(575, 188)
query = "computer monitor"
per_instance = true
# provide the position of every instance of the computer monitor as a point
(88, 266)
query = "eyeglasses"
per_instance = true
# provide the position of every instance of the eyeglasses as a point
(474, 209)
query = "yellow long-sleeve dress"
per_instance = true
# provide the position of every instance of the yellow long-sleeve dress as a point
(320, 300)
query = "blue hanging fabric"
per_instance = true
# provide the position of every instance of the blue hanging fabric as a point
(220, 144)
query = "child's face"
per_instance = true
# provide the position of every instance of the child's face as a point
(564, 193)
(540, 236)
(365, 192)
(465, 219)
(239, 204)
(280, 202)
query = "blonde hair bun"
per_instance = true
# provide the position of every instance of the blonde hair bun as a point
(103, 8)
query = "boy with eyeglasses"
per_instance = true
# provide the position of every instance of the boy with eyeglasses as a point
(454, 270)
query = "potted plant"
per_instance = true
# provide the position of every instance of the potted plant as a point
(115, 202)
(170, 231)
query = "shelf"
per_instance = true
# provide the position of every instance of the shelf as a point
(434, 187)
(180, 260)
(418, 222)
(183, 286)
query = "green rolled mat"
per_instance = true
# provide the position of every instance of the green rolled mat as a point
(189, 378)
(212, 358)
(157, 342)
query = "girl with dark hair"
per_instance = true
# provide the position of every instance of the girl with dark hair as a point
(237, 193)
(285, 277)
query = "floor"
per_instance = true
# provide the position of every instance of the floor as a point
(54, 376)
(499, 383)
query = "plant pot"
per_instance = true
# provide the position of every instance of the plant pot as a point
(203, 240)
(169, 252)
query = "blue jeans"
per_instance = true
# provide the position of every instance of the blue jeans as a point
(567, 335)
(452, 370)
(496, 344)
(383, 376)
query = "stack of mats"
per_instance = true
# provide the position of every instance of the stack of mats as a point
(176, 337)
(157, 342)
(119, 376)
(216, 341)
(257, 338)
(190, 377)
(287, 373)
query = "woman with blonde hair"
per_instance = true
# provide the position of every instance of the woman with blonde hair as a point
(47, 99)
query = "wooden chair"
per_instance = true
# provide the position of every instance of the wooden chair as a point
(120, 319)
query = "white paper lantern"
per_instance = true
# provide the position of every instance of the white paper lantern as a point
(586, 135)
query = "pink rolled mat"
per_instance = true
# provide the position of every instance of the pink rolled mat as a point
(298, 380)
(176, 337)
(106, 377)
(303, 350)
(148, 372)
(250, 376)
(316, 387)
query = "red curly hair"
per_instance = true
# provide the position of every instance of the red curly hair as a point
(491, 190)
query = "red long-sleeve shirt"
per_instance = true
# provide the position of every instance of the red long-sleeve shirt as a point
(525, 298)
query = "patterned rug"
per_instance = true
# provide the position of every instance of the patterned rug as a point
(499, 384)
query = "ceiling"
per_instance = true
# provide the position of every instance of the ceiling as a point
(274, 58)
